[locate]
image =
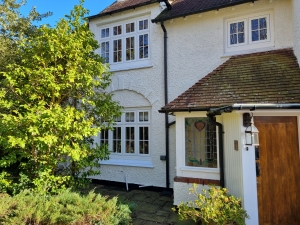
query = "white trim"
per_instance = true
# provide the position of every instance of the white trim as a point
(124, 64)
(249, 45)
(128, 162)
(181, 169)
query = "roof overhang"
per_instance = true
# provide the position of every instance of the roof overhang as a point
(121, 10)
(157, 20)
(230, 108)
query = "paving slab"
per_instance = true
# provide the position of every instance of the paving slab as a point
(149, 207)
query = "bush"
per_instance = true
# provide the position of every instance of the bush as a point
(213, 206)
(29, 208)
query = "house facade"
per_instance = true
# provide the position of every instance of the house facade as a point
(192, 76)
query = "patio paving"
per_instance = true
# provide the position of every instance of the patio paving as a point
(149, 206)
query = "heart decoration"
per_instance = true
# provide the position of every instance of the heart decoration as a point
(200, 125)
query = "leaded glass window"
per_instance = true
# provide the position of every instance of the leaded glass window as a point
(105, 33)
(105, 51)
(130, 48)
(237, 33)
(259, 29)
(143, 24)
(117, 139)
(131, 134)
(200, 143)
(143, 46)
(117, 30)
(117, 50)
(129, 27)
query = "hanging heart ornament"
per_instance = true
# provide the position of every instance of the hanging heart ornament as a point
(200, 125)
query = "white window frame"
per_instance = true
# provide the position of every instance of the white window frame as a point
(249, 44)
(137, 125)
(137, 61)
(181, 168)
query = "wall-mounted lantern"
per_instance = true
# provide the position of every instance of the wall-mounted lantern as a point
(251, 132)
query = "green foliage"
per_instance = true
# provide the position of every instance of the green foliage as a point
(51, 102)
(13, 28)
(213, 206)
(67, 208)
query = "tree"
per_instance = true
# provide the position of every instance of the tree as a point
(14, 27)
(51, 104)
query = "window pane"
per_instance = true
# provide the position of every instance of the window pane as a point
(237, 33)
(104, 137)
(241, 38)
(119, 29)
(107, 32)
(263, 34)
(115, 31)
(129, 139)
(254, 24)
(129, 117)
(141, 23)
(128, 28)
(102, 33)
(200, 143)
(263, 23)
(144, 140)
(105, 51)
(117, 50)
(145, 24)
(130, 48)
(255, 35)
(233, 39)
(232, 28)
(241, 27)
(143, 44)
(143, 116)
(117, 140)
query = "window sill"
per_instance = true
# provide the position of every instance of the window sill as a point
(243, 52)
(130, 66)
(202, 169)
(126, 162)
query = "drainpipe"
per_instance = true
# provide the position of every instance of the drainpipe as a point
(166, 102)
(221, 147)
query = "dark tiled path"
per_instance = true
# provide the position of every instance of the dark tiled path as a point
(150, 207)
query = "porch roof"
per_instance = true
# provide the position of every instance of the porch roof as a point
(271, 77)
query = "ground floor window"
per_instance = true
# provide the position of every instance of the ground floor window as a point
(200, 143)
(131, 134)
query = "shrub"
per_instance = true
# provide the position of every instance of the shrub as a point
(213, 206)
(29, 208)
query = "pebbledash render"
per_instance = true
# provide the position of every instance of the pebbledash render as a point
(192, 76)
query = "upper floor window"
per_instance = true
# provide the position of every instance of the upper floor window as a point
(125, 42)
(253, 31)
(130, 135)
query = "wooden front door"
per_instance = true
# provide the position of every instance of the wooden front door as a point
(278, 185)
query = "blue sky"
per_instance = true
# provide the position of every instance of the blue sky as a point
(62, 7)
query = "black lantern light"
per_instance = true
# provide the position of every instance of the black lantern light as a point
(251, 132)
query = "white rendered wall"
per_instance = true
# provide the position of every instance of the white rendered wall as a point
(182, 194)
(232, 157)
(142, 87)
(296, 20)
